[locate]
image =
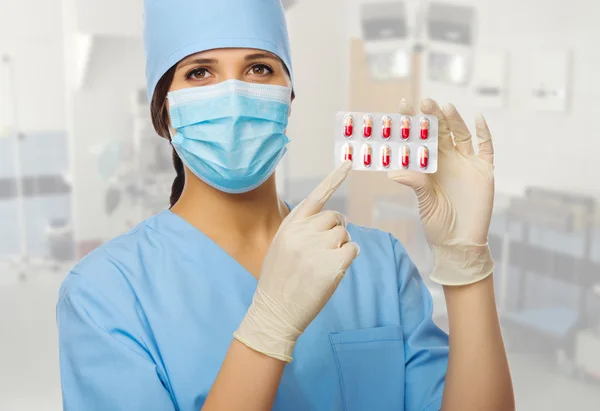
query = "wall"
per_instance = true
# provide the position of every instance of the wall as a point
(42, 154)
(102, 113)
(109, 17)
(36, 49)
(320, 55)
(33, 40)
(99, 102)
(565, 146)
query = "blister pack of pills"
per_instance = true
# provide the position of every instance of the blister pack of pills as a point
(382, 142)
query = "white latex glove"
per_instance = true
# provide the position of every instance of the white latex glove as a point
(307, 260)
(456, 202)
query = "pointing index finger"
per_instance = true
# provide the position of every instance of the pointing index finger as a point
(316, 200)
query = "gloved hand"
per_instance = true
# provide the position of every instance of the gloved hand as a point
(456, 203)
(307, 260)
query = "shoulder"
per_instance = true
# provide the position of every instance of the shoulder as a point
(111, 269)
(99, 302)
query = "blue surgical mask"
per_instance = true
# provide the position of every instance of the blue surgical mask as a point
(231, 135)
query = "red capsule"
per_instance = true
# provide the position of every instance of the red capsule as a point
(405, 128)
(386, 131)
(367, 155)
(386, 156)
(424, 157)
(348, 152)
(405, 156)
(368, 126)
(348, 125)
(424, 128)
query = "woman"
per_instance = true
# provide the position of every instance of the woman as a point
(203, 306)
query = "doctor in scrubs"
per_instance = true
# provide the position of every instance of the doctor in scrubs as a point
(233, 300)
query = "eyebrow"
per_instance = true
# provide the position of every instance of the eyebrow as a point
(199, 61)
(259, 56)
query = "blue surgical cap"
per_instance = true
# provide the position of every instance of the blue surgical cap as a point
(175, 29)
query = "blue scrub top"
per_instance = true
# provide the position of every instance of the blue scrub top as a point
(145, 322)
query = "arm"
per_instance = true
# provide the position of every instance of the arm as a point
(248, 380)
(100, 369)
(478, 376)
(456, 206)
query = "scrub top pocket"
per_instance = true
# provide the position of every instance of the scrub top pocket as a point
(371, 367)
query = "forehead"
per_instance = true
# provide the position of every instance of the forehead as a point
(230, 55)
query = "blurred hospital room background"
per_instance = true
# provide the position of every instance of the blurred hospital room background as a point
(80, 162)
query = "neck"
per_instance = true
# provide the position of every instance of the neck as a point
(254, 216)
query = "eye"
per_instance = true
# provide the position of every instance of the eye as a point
(260, 70)
(198, 74)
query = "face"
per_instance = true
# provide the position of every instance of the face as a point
(215, 66)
